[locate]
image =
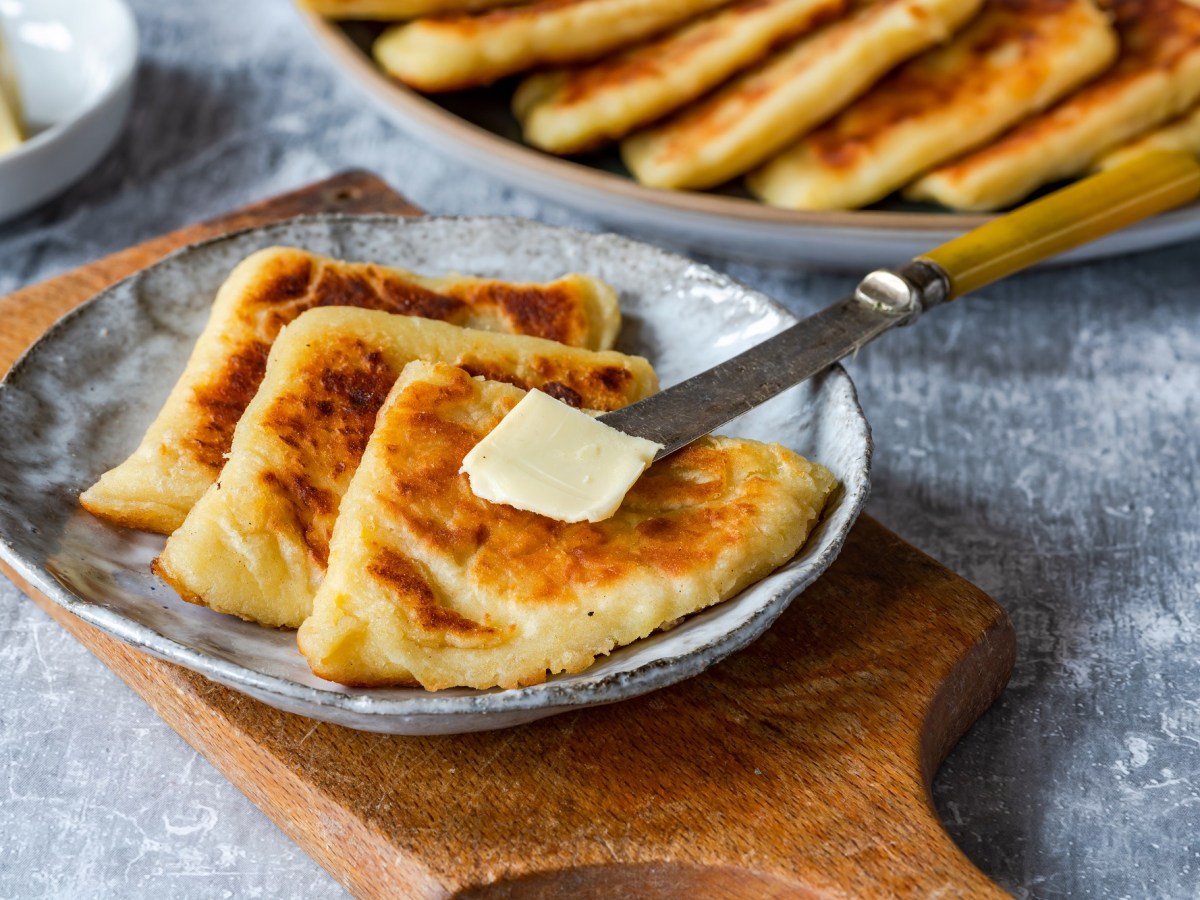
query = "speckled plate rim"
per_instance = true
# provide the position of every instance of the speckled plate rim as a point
(547, 698)
(706, 215)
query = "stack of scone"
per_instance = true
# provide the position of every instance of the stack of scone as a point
(306, 467)
(821, 104)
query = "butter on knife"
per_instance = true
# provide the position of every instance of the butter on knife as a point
(548, 458)
(11, 133)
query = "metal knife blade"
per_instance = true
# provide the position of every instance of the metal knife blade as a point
(693, 408)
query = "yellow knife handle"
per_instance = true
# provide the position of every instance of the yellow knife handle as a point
(1082, 212)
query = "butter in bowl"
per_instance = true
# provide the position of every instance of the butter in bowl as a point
(12, 133)
(66, 86)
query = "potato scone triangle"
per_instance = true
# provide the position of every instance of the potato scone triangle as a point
(1156, 77)
(428, 584)
(255, 544)
(1182, 133)
(184, 448)
(392, 10)
(571, 110)
(1014, 60)
(449, 53)
(793, 90)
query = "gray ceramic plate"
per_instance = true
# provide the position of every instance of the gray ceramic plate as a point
(80, 399)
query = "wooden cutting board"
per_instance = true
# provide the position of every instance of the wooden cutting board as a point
(798, 767)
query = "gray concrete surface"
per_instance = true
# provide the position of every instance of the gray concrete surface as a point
(1042, 438)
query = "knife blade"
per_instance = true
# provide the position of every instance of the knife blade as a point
(703, 403)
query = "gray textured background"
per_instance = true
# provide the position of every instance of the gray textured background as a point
(1042, 438)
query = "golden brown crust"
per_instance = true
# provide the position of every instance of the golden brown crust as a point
(221, 402)
(405, 580)
(572, 110)
(1015, 59)
(1156, 35)
(913, 90)
(469, 26)
(708, 119)
(325, 419)
(1156, 76)
(299, 282)
(425, 441)
(758, 114)
(449, 53)
(550, 311)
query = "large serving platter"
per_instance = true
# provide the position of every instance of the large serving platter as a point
(477, 129)
(79, 400)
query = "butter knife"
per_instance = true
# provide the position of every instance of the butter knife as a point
(888, 298)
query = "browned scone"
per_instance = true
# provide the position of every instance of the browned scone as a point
(184, 448)
(576, 109)
(1156, 77)
(449, 53)
(751, 118)
(1014, 60)
(255, 545)
(429, 584)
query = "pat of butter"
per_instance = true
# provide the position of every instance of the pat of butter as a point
(548, 458)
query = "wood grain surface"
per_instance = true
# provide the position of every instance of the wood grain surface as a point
(798, 767)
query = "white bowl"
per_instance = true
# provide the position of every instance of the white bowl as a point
(75, 61)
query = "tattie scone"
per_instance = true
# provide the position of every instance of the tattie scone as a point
(427, 584)
(1156, 77)
(453, 52)
(570, 110)
(184, 448)
(256, 543)
(1182, 133)
(1014, 60)
(804, 83)
(391, 10)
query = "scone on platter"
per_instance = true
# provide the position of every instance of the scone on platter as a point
(1182, 133)
(1156, 78)
(429, 585)
(255, 545)
(807, 81)
(184, 448)
(571, 110)
(1013, 61)
(393, 10)
(449, 53)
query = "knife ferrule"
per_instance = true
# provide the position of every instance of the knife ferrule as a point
(905, 292)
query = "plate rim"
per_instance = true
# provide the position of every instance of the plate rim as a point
(547, 697)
